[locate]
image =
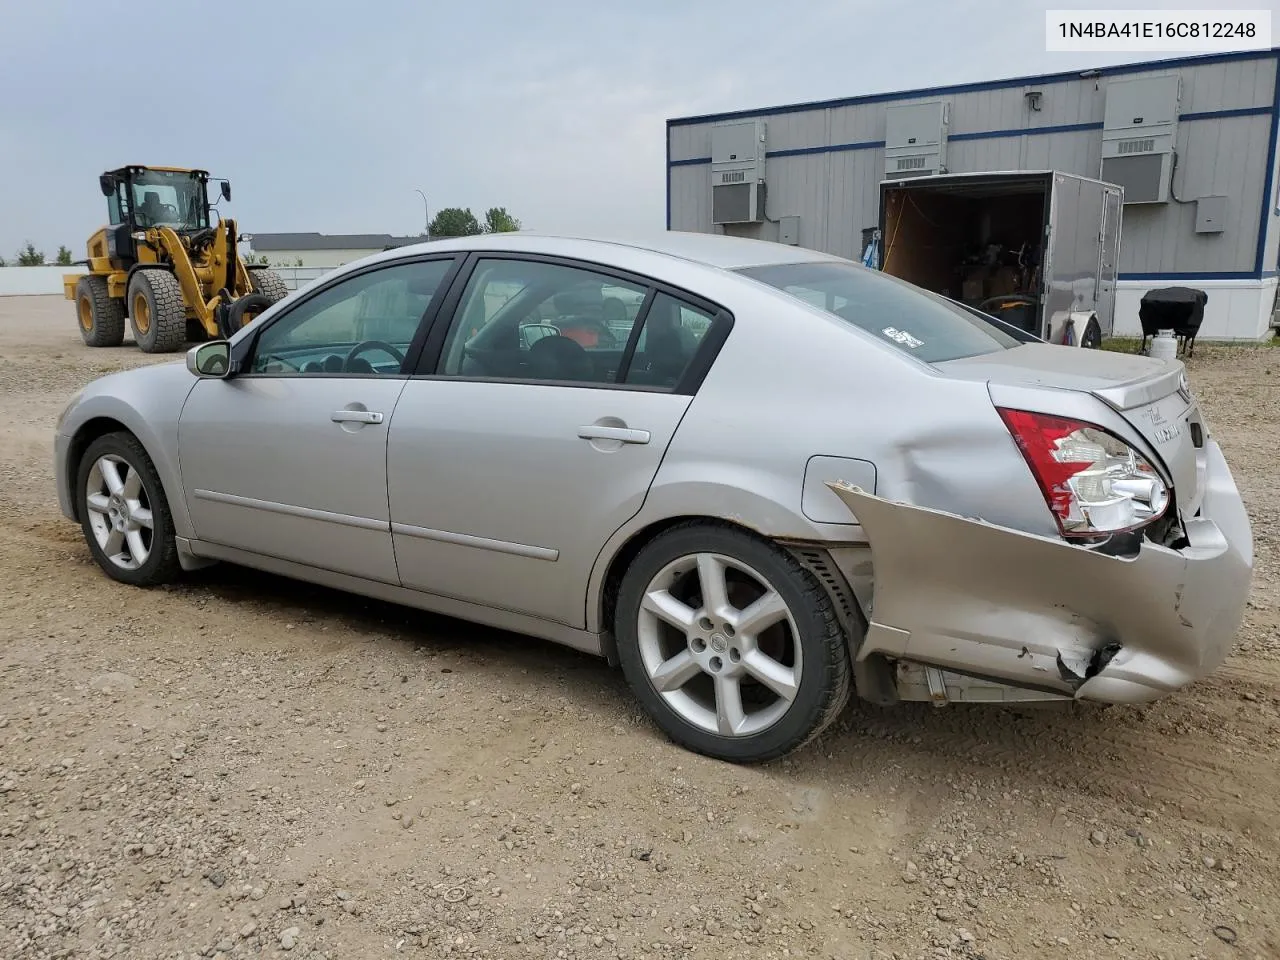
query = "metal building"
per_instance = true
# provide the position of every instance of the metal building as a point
(1192, 141)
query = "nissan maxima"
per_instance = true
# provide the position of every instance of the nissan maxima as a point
(760, 479)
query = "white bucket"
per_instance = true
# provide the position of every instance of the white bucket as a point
(1163, 346)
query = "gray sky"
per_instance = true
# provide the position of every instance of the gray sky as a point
(326, 116)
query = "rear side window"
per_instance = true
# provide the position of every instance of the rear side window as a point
(913, 320)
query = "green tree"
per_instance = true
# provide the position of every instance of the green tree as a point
(64, 257)
(455, 222)
(30, 257)
(497, 220)
(2, 262)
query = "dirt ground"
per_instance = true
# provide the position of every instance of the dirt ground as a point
(245, 766)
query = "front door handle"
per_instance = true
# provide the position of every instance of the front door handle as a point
(356, 416)
(624, 434)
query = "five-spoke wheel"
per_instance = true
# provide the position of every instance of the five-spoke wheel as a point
(732, 645)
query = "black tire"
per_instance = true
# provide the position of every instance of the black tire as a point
(1092, 338)
(101, 316)
(825, 679)
(156, 311)
(161, 565)
(268, 283)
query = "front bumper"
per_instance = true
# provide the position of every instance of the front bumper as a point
(975, 599)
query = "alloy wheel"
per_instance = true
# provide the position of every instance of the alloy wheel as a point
(119, 512)
(719, 645)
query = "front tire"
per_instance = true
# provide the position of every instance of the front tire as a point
(101, 315)
(156, 312)
(733, 648)
(124, 514)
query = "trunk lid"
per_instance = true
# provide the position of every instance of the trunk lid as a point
(1152, 395)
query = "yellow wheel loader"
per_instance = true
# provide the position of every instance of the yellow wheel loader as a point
(161, 263)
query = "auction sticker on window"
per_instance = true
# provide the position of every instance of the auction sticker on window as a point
(902, 337)
(1145, 31)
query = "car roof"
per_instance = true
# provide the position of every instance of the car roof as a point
(714, 250)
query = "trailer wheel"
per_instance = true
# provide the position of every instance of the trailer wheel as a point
(101, 315)
(1092, 338)
(156, 312)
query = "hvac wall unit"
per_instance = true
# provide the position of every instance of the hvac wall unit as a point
(915, 139)
(1138, 136)
(737, 172)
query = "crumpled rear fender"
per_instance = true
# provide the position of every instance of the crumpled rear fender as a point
(1038, 612)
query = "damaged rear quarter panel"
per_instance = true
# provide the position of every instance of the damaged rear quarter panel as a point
(984, 599)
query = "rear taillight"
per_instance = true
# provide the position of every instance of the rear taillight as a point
(1094, 482)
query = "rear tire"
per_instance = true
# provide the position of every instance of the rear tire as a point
(101, 316)
(268, 283)
(722, 661)
(124, 513)
(156, 312)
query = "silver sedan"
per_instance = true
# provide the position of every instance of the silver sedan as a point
(758, 478)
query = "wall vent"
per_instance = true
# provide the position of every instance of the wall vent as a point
(1139, 130)
(737, 171)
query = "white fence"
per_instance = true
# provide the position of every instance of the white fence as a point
(33, 281)
(37, 281)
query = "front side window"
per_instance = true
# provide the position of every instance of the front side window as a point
(360, 326)
(910, 319)
(526, 320)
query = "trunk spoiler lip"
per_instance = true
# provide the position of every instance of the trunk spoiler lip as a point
(1145, 390)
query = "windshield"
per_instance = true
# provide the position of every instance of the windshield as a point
(174, 200)
(911, 319)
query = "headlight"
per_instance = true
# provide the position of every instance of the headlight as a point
(1094, 482)
(75, 398)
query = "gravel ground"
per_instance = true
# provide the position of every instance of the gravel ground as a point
(245, 766)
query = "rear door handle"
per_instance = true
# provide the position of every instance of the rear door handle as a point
(625, 434)
(356, 416)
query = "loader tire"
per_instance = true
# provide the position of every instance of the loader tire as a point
(156, 311)
(101, 316)
(268, 283)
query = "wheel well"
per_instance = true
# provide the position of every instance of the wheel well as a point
(89, 431)
(628, 552)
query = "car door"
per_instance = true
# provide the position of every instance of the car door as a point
(536, 433)
(288, 457)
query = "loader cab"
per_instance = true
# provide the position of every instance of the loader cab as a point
(139, 198)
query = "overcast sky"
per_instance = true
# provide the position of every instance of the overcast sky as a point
(326, 116)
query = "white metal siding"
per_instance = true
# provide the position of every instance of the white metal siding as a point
(835, 191)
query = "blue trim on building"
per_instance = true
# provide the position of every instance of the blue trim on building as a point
(1227, 114)
(834, 148)
(1024, 131)
(1268, 203)
(1221, 275)
(1065, 76)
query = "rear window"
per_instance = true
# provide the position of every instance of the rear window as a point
(915, 321)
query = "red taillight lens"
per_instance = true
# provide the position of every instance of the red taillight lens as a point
(1094, 482)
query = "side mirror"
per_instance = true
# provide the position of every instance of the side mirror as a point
(210, 360)
(226, 190)
(107, 184)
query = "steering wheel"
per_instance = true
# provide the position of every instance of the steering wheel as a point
(364, 345)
